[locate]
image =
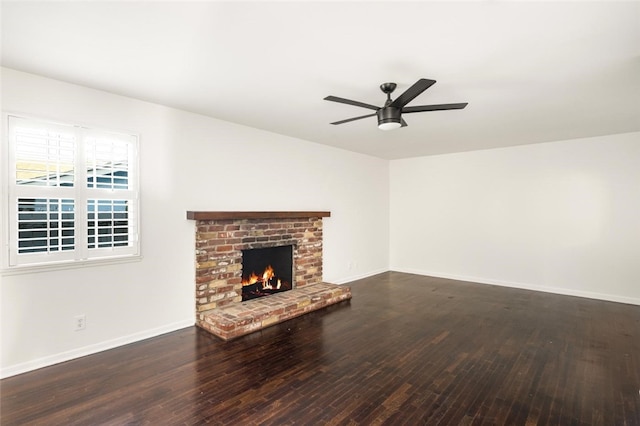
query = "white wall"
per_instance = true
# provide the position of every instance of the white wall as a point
(188, 162)
(562, 217)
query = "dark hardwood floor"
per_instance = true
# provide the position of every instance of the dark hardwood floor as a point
(407, 350)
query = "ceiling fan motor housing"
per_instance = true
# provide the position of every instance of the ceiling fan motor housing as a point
(388, 115)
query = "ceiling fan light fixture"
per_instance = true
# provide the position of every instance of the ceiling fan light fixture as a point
(389, 118)
(389, 125)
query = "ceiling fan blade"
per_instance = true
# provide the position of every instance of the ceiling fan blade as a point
(353, 119)
(440, 107)
(350, 102)
(403, 123)
(413, 91)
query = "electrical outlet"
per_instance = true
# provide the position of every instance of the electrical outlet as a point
(80, 322)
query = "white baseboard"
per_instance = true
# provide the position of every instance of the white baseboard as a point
(358, 277)
(544, 289)
(91, 349)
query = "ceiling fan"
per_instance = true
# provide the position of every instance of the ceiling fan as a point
(390, 115)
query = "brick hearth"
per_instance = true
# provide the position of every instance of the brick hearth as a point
(220, 239)
(246, 317)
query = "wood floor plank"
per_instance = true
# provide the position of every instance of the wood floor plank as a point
(406, 349)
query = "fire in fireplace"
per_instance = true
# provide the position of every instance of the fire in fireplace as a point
(266, 271)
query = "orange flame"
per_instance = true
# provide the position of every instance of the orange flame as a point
(268, 273)
(253, 278)
(265, 280)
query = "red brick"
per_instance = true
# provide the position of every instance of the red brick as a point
(226, 326)
(224, 302)
(223, 289)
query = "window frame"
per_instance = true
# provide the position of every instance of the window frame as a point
(80, 192)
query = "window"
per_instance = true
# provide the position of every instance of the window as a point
(72, 193)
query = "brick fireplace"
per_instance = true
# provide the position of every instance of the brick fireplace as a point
(220, 239)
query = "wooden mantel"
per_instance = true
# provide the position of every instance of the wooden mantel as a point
(253, 215)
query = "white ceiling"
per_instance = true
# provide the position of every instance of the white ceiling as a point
(531, 71)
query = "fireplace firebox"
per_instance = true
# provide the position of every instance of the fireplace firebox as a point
(266, 271)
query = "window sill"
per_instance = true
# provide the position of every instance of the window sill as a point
(66, 265)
